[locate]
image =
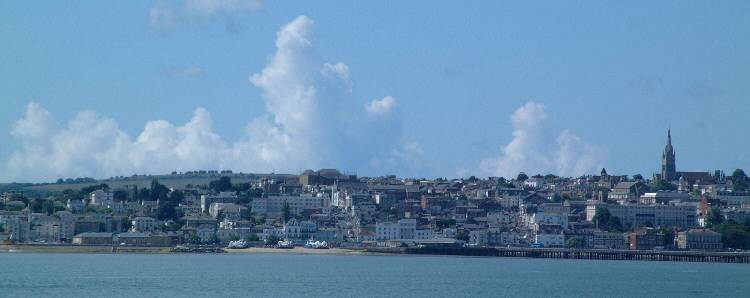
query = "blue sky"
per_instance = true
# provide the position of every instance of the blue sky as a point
(606, 78)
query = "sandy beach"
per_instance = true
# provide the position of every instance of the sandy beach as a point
(298, 250)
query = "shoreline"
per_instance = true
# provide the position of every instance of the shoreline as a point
(531, 253)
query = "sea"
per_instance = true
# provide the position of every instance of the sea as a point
(306, 275)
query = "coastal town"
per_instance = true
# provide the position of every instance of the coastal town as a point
(670, 211)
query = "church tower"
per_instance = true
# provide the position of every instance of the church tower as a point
(668, 168)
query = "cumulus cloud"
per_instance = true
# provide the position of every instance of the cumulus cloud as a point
(381, 106)
(311, 121)
(164, 16)
(530, 151)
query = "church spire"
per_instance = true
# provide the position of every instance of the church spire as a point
(668, 167)
(669, 137)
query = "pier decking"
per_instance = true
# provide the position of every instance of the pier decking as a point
(588, 254)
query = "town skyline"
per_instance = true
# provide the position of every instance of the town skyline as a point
(198, 87)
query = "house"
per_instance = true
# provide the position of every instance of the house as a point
(646, 239)
(75, 206)
(222, 197)
(93, 239)
(702, 239)
(656, 215)
(231, 211)
(272, 206)
(549, 237)
(100, 198)
(144, 224)
(607, 240)
(403, 229)
(299, 231)
(627, 191)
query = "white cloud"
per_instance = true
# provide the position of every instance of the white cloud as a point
(311, 121)
(35, 125)
(162, 17)
(213, 7)
(165, 16)
(529, 151)
(380, 107)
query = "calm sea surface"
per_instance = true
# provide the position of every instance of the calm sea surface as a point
(290, 275)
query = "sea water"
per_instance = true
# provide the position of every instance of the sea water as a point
(297, 275)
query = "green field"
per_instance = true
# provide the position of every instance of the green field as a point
(143, 181)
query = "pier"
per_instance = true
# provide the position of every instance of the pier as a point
(584, 254)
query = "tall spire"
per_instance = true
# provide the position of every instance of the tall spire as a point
(669, 136)
(668, 168)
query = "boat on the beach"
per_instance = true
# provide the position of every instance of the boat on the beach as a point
(316, 244)
(238, 244)
(285, 244)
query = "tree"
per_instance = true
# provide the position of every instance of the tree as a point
(601, 216)
(42, 206)
(245, 186)
(662, 184)
(272, 240)
(735, 235)
(221, 216)
(637, 177)
(575, 242)
(739, 180)
(223, 184)
(463, 236)
(714, 217)
(158, 191)
(445, 223)
(557, 198)
(286, 212)
(614, 224)
(120, 196)
(126, 224)
(89, 189)
(522, 176)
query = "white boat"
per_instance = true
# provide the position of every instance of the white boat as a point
(316, 244)
(238, 244)
(285, 244)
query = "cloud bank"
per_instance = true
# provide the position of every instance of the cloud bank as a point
(532, 152)
(311, 121)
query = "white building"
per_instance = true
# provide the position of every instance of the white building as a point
(663, 197)
(100, 198)
(300, 231)
(222, 197)
(656, 215)
(403, 229)
(230, 210)
(144, 224)
(272, 206)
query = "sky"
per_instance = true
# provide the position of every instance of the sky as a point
(412, 88)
